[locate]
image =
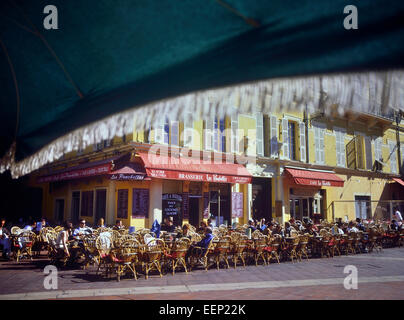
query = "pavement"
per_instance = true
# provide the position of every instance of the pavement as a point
(380, 276)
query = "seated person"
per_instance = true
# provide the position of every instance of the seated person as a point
(352, 227)
(30, 226)
(359, 224)
(201, 246)
(251, 226)
(312, 229)
(82, 229)
(184, 232)
(170, 225)
(336, 230)
(202, 227)
(63, 239)
(288, 228)
(101, 223)
(5, 240)
(394, 225)
(118, 225)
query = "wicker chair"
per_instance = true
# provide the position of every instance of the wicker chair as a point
(200, 255)
(291, 249)
(258, 249)
(221, 251)
(126, 257)
(152, 256)
(272, 248)
(303, 246)
(104, 245)
(239, 246)
(23, 244)
(176, 255)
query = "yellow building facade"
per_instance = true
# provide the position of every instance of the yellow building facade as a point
(302, 166)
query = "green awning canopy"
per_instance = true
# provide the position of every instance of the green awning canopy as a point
(110, 56)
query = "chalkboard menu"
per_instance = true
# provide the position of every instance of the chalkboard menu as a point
(172, 207)
(140, 203)
(206, 205)
(237, 204)
(122, 204)
(185, 205)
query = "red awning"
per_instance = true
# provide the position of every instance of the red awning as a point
(89, 169)
(192, 169)
(399, 181)
(131, 171)
(315, 178)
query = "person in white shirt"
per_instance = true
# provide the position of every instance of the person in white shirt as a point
(63, 239)
(82, 229)
(352, 227)
(398, 217)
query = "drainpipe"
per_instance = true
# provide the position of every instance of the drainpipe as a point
(398, 120)
(306, 123)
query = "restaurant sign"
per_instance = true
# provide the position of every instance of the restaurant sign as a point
(195, 176)
(126, 176)
(78, 173)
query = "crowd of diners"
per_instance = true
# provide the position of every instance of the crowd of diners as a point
(67, 235)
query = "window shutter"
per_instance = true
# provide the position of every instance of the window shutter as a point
(285, 138)
(317, 144)
(378, 148)
(159, 132)
(274, 136)
(166, 127)
(222, 136)
(188, 131)
(234, 134)
(368, 150)
(215, 129)
(260, 134)
(208, 135)
(175, 133)
(302, 131)
(393, 157)
(322, 146)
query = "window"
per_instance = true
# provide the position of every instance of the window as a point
(260, 134)
(222, 136)
(140, 203)
(174, 133)
(340, 147)
(215, 143)
(188, 130)
(393, 157)
(292, 140)
(234, 133)
(319, 144)
(302, 142)
(378, 149)
(161, 133)
(285, 138)
(208, 135)
(122, 207)
(87, 203)
(274, 136)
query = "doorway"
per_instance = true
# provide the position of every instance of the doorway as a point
(100, 205)
(75, 214)
(261, 199)
(59, 210)
(362, 207)
(194, 210)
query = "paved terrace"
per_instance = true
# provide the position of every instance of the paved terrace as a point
(380, 275)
